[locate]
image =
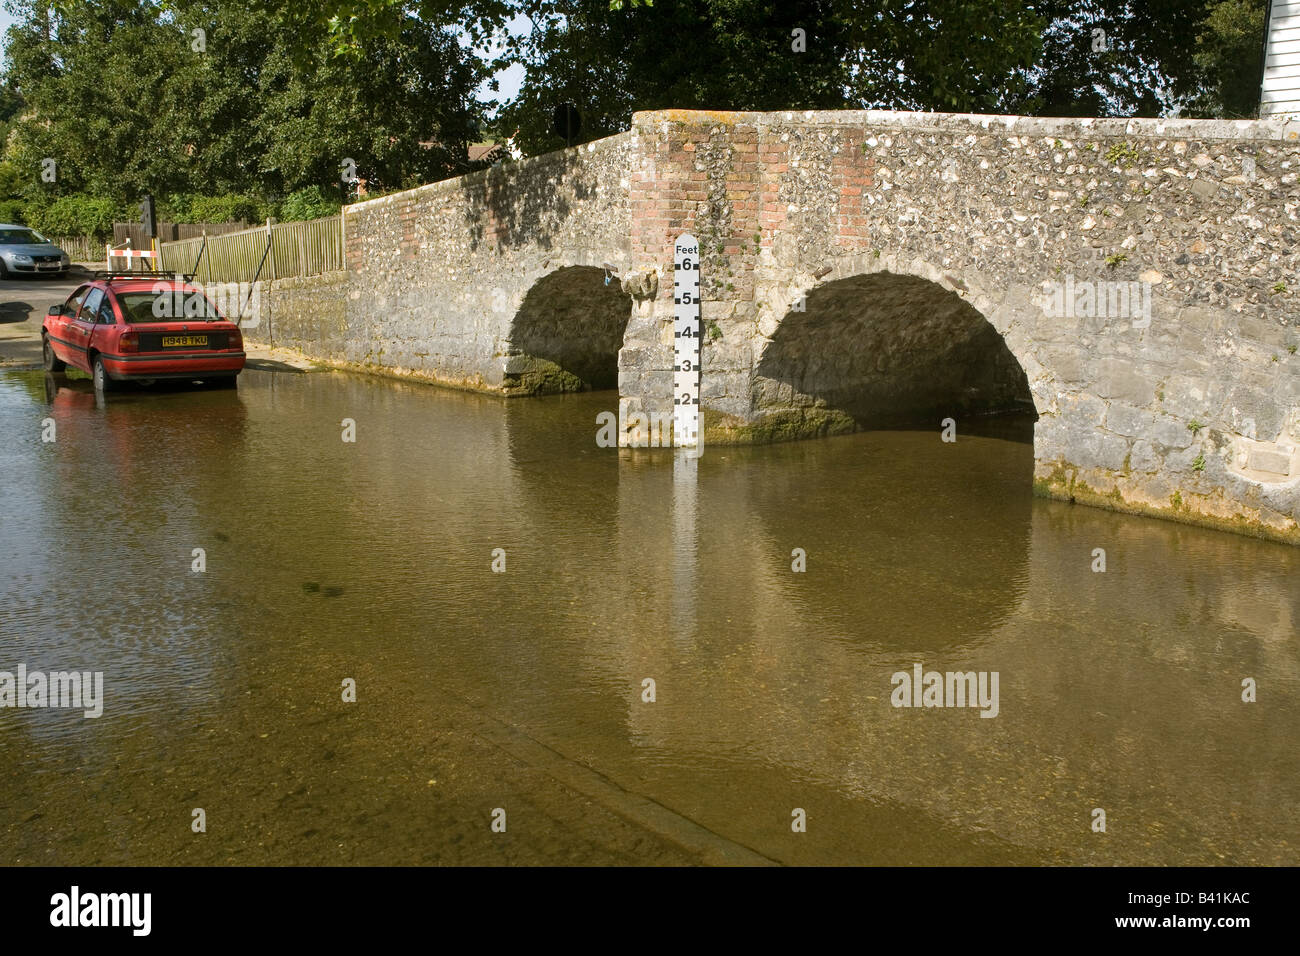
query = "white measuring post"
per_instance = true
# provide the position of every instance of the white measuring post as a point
(686, 433)
(686, 341)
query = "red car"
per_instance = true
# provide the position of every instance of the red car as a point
(137, 327)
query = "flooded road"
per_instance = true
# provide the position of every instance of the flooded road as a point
(524, 690)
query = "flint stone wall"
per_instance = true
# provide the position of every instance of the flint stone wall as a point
(834, 245)
(436, 276)
(1195, 415)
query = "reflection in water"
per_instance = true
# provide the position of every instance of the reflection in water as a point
(372, 560)
(685, 547)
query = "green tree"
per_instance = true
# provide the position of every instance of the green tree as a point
(764, 55)
(127, 98)
(402, 109)
(91, 81)
(956, 55)
(1147, 58)
(1228, 60)
(283, 93)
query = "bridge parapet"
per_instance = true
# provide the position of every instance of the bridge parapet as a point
(438, 275)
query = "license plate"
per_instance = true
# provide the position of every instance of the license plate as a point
(184, 341)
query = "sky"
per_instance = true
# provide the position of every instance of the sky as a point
(509, 80)
(6, 21)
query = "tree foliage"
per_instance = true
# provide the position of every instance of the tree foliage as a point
(1228, 61)
(309, 203)
(126, 98)
(1148, 58)
(765, 55)
(1039, 57)
(241, 103)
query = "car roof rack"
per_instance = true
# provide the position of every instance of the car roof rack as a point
(111, 274)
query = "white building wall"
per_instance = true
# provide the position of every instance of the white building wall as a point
(1280, 93)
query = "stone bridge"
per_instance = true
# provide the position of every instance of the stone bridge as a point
(1135, 284)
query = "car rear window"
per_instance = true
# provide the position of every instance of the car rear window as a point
(20, 237)
(169, 306)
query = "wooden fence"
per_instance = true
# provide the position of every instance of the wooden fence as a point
(171, 231)
(81, 248)
(296, 249)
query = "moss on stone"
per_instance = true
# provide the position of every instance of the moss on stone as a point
(422, 376)
(1064, 484)
(542, 377)
(785, 425)
(1056, 485)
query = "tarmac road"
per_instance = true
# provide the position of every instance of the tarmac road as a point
(23, 304)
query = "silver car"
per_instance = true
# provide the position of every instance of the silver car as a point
(25, 251)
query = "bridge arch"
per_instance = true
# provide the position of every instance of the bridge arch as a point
(883, 349)
(566, 333)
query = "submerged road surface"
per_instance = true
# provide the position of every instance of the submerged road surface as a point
(472, 636)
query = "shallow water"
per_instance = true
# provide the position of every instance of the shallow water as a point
(373, 561)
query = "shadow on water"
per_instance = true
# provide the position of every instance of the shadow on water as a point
(928, 542)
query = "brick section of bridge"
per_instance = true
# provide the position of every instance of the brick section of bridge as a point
(735, 181)
(669, 190)
(730, 181)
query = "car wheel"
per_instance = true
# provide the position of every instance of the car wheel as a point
(225, 381)
(52, 362)
(103, 382)
(4, 270)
